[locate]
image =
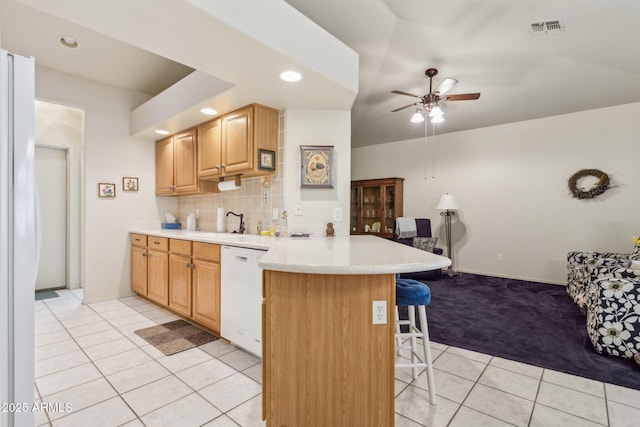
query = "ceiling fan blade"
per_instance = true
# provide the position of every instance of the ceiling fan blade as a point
(446, 85)
(406, 106)
(399, 92)
(461, 97)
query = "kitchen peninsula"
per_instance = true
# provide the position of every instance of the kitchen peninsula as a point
(324, 361)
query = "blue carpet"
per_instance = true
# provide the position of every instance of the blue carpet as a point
(534, 323)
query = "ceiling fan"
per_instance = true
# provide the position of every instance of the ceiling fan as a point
(429, 102)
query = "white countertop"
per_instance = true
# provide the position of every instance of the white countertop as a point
(348, 255)
(252, 241)
(320, 255)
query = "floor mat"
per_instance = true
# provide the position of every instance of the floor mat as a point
(174, 337)
(40, 295)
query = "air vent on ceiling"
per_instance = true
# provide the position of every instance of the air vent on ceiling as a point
(547, 27)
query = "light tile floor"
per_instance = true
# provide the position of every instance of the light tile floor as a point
(89, 357)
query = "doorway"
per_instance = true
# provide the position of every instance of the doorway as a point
(51, 169)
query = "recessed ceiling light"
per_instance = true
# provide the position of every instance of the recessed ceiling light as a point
(162, 132)
(291, 76)
(209, 111)
(68, 41)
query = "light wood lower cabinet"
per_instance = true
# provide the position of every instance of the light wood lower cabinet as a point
(206, 284)
(158, 276)
(180, 275)
(180, 268)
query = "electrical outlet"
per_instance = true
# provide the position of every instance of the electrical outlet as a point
(499, 258)
(297, 210)
(275, 213)
(379, 313)
(197, 213)
(337, 214)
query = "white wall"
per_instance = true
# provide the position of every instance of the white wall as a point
(109, 154)
(317, 127)
(511, 184)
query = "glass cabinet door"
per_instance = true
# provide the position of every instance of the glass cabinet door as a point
(371, 211)
(389, 208)
(355, 208)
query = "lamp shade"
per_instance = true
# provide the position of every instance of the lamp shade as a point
(447, 203)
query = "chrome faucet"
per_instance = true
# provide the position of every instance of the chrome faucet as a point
(241, 228)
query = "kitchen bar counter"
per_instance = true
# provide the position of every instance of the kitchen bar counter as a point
(319, 255)
(348, 255)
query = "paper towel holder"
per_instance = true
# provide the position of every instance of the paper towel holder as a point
(229, 185)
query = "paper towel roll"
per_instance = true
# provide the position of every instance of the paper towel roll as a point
(220, 219)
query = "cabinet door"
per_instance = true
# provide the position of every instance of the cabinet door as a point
(210, 149)
(164, 167)
(139, 270)
(158, 277)
(180, 284)
(184, 152)
(237, 141)
(206, 293)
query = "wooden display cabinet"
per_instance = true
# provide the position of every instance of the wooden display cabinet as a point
(375, 204)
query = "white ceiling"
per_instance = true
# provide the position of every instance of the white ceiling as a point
(487, 46)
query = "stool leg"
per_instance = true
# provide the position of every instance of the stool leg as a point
(422, 312)
(414, 341)
(398, 340)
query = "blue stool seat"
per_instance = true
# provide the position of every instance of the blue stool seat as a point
(412, 292)
(416, 296)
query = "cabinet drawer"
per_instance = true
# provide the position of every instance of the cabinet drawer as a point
(182, 247)
(208, 251)
(158, 243)
(138, 239)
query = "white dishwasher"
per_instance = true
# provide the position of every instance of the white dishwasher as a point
(241, 298)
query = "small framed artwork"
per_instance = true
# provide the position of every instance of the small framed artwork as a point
(106, 190)
(129, 184)
(316, 166)
(266, 159)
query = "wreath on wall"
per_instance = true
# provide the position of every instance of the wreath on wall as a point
(583, 193)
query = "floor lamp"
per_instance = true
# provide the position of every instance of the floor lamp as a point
(448, 205)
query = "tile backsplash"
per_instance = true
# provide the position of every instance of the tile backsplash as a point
(253, 199)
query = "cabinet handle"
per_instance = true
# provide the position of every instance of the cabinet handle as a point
(145, 254)
(138, 239)
(156, 243)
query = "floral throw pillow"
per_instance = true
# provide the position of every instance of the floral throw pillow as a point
(425, 243)
(613, 313)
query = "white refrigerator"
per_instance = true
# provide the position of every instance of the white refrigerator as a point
(18, 246)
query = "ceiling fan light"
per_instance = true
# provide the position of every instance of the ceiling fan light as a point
(436, 111)
(417, 117)
(437, 119)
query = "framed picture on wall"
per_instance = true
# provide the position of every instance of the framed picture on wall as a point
(266, 159)
(316, 163)
(129, 184)
(106, 190)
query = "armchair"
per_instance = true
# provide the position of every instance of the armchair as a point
(613, 311)
(423, 228)
(577, 276)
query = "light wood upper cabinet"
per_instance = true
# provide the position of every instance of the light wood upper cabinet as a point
(164, 167)
(210, 149)
(176, 166)
(229, 145)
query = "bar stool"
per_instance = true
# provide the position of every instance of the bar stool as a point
(412, 293)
